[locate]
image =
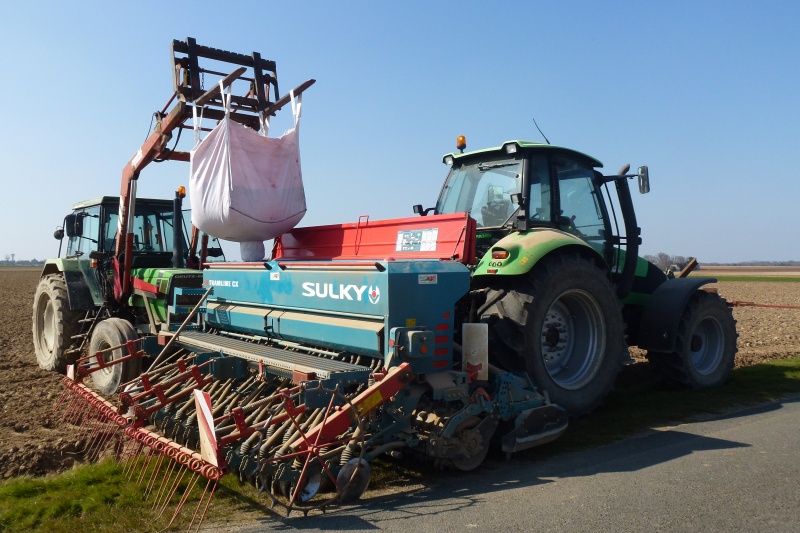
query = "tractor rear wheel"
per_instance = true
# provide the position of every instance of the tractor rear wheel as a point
(562, 324)
(54, 323)
(705, 345)
(107, 334)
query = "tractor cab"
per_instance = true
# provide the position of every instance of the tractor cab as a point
(91, 231)
(521, 186)
(524, 188)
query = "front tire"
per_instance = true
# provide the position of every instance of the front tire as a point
(563, 326)
(107, 334)
(705, 345)
(54, 324)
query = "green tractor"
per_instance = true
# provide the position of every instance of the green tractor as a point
(561, 285)
(75, 304)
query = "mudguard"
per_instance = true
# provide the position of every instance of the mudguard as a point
(79, 294)
(662, 313)
(527, 249)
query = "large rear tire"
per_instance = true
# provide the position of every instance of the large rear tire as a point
(108, 334)
(562, 325)
(705, 345)
(54, 324)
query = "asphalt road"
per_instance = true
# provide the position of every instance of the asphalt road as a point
(740, 472)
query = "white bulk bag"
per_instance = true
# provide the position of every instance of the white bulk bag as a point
(245, 186)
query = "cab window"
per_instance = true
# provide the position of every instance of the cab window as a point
(539, 194)
(580, 210)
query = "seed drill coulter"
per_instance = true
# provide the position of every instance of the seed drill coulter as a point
(492, 319)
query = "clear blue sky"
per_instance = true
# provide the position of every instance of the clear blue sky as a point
(705, 93)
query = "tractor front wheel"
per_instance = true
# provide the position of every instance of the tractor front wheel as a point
(111, 333)
(54, 323)
(705, 345)
(562, 325)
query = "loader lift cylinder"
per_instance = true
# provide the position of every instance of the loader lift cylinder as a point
(177, 229)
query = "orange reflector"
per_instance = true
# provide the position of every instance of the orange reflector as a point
(491, 271)
(461, 142)
(499, 254)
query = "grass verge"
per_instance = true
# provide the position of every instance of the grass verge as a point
(101, 498)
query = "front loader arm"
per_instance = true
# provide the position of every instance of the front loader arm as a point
(153, 148)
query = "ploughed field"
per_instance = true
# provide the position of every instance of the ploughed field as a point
(32, 440)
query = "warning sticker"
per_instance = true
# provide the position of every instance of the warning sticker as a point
(370, 402)
(418, 240)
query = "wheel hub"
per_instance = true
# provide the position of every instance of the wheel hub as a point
(707, 346)
(573, 339)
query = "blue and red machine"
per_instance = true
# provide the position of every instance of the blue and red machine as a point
(301, 369)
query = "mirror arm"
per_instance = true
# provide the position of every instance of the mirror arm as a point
(418, 209)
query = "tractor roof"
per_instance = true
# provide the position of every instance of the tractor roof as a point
(528, 146)
(114, 200)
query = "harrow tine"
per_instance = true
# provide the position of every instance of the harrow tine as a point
(131, 461)
(85, 433)
(213, 483)
(150, 455)
(189, 488)
(161, 488)
(66, 393)
(172, 492)
(73, 410)
(100, 439)
(153, 476)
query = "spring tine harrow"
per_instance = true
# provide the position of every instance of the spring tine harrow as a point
(213, 484)
(190, 486)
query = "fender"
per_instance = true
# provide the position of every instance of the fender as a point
(79, 294)
(527, 249)
(663, 311)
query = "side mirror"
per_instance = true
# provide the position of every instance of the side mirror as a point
(644, 180)
(73, 225)
(421, 211)
(58, 234)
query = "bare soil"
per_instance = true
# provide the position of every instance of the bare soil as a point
(33, 442)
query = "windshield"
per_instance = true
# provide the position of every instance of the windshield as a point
(152, 228)
(484, 190)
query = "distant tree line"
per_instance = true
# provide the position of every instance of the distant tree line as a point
(11, 261)
(759, 264)
(665, 261)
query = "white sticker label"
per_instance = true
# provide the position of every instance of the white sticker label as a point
(428, 279)
(421, 240)
(274, 276)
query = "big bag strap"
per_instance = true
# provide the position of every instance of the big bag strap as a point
(197, 121)
(297, 107)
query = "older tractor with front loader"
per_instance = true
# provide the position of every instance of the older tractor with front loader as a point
(494, 318)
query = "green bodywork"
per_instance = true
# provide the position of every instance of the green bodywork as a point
(165, 280)
(525, 249)
(80, 276)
